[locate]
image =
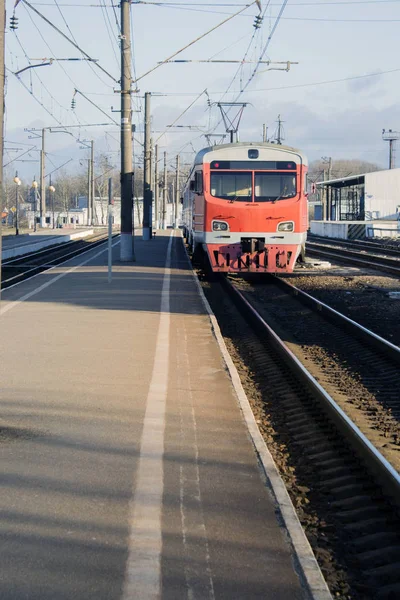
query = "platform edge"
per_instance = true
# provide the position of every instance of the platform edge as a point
(310, 572)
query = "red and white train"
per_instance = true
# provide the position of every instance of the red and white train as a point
(245, 204)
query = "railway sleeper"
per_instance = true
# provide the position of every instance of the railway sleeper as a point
(386, 574)
(366, 511)
(381, 556)
(367, 525)
(389, 592)
(373, 540)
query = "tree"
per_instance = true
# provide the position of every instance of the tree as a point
(339, 168)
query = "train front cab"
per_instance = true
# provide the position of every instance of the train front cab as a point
(258, 221)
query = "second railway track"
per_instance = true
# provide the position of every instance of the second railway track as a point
(18, 269)
(352, 524)
(363, 256)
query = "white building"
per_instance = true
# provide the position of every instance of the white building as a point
(363, 197)
(366, 205)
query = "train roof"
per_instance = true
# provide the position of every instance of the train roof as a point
(238, 145)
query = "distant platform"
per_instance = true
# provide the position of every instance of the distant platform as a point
(17, 245)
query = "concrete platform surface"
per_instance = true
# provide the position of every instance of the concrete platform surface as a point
(127, 471)
(17, 245)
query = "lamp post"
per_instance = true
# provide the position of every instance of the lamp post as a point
(35, 187)
(17, 182)
(52, 189)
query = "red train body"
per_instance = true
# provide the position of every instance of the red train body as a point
(246, 205)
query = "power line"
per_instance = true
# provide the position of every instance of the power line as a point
(194, 41)
(45, 41)
(68, 39)
(73, 37)
(109, 30)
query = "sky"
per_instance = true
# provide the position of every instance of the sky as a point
(334, 102)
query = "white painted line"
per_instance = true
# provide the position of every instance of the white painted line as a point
(13, 303)
(143, 568)
(194, 532)
(310, 571)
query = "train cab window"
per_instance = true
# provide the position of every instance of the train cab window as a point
(270, 187)
(231, 185)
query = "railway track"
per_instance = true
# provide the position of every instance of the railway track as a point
(388, 248)
(369, 258)
(18, 269)
(347, 494)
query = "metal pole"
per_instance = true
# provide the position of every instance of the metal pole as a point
(52, 200)
(156, 190)
(164, 208)
(176, 192)
(42, 184)
(92, 194)
(127, 240)
(265, 129)
(16, 207)
(110, 202)
(147, 199)
(391, 154)
(2, 71)
(89, 204)
(34, 211)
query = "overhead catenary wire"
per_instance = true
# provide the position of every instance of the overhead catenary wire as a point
(40, 81)
(48, 46)
(69, 40)
(31, 93)
(94, 71)
(181, 115)
(109, 28)
(158, 65)
(96, 106)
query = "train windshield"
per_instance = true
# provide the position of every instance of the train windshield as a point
(270, 187)
(238, 186)
(232, 185)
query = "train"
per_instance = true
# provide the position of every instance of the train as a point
(245, 206)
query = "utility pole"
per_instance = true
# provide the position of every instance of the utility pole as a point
(89, 203)
(176, 193)
(42, 184)
(92, 192)
(326, 210)
(127, 239)
(147, 196)
(156, 190)
(2, 72)
(279, 135)
(164, 208)
(391, 137)
(265, 132)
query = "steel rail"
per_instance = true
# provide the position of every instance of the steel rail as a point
(388, 265)
(6, 283)
(362, 245)
(376, 341)
(387, 477)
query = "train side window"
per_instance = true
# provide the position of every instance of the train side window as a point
(196, 185)
(198, 178)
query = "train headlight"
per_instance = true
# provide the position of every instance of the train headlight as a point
(286, 226)
(220, 226)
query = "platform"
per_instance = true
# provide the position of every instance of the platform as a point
(18, 245)
(127, 469)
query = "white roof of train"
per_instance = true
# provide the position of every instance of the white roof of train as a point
(241, 145)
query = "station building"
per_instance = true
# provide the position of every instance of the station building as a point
(358, 206)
